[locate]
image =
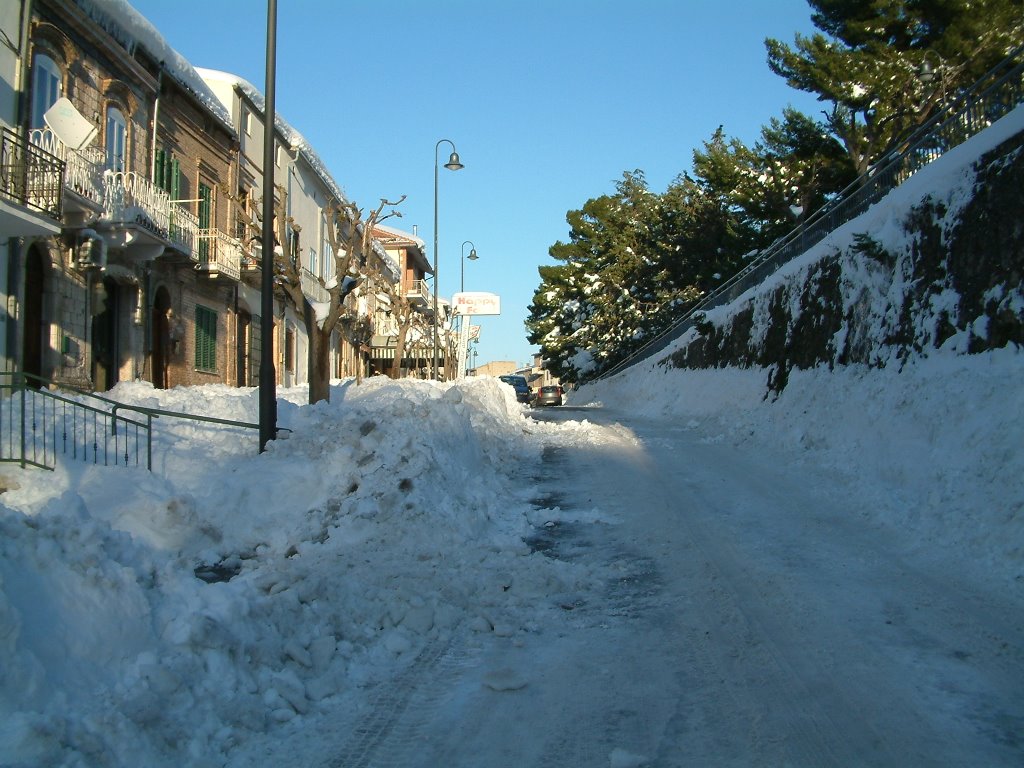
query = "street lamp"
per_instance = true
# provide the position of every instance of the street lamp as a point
(472, 257)
(268, 387)
(453, 164)
(928, 74)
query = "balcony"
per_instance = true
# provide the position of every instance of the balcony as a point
(418, 292)
(33, 179)
(84, 174)
(218, 254)
(311, 287)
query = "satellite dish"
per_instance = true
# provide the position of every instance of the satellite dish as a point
(69, 125)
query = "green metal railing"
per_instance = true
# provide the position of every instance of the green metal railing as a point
(996, 94)
(40, 425)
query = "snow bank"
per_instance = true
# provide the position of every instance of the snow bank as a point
(151, 618)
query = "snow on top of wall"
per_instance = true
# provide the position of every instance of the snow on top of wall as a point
(294, 138)
(131, 30)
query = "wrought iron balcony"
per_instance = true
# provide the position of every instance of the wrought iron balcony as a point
(30, 176)
(84, 174)
(218, 254)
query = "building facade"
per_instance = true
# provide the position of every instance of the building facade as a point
(130, 244)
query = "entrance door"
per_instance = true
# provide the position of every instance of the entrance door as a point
(242, 349)
(105, 357)
(33, 337)
(161, 343)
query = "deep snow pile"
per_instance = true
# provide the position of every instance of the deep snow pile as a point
(387, 519)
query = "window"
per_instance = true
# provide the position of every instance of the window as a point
(326, 250)
(294, 248)
(168, 174)
(246, 121)
(314, 266)
(205, 213)
(46, 87)
(117, 139)
(289, 350)
(206, 339)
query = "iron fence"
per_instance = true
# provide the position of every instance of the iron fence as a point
(40, 426)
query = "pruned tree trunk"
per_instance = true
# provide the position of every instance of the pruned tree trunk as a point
(396, 365)
(319, 364)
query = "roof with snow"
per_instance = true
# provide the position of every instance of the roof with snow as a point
(132, 30)
(294, 138)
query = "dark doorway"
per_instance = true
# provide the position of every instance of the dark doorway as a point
(105, 357)
(242, 347)
(161, 339)
(33, 338)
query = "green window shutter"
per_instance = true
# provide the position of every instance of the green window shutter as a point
(206, 339)
(175, 186)
(205, 206)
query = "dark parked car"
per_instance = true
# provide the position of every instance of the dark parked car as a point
(523, 392)
(550, 395)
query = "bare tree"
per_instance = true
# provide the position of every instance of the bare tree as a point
(351, 241)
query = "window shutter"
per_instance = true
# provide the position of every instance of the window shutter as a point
(206, 339)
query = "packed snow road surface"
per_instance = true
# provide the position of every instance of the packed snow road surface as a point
(742, 613)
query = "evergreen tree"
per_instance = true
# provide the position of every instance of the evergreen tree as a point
(868, 62)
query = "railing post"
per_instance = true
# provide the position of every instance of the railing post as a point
(23, 424)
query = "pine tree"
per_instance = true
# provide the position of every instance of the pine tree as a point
(867, 64)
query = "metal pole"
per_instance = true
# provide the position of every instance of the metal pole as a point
(434, 375)
(268, 392)
(453, 164)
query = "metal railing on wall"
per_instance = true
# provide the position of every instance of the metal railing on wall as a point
(996, 94)
(40, 425)
(30, 176)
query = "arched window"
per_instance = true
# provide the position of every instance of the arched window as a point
(46, 88)
(117, 139)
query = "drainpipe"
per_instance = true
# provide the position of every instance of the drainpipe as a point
(156, 115)
(10, 277)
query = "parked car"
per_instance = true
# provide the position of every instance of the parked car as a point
(523, 392)
(550, 395)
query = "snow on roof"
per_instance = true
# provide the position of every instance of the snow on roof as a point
(131, 29)
(392, 234)
(294, 138)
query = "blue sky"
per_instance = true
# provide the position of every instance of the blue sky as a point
(547, 101)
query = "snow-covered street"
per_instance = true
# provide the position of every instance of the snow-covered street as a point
(740, 613)
(669, 571)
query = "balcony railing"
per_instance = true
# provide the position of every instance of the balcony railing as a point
(131, 198)
(183, 230)
(84, 174)
(30, 176)
(218, 253)
(418, 290)
(311, 287)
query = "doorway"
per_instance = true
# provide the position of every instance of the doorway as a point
(105, 354)
(33, 337)
(161, 342)
(243, 345)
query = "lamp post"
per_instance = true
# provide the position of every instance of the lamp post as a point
(268, 388)
(928, 74)
(453, 164)
(464, 331)
(472, 257)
